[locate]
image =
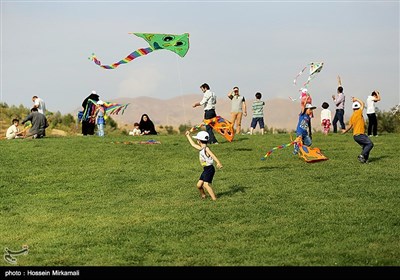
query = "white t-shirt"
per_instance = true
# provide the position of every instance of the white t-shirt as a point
(12, 132)
(371, 104)
(326, 115)
(135, 131)
(204, 159)
(41, 106)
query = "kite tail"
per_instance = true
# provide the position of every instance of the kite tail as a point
(129, 58)
(278, 148)
(301, 72)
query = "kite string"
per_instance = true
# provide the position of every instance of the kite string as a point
(180, 90)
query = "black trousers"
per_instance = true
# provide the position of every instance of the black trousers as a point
(372, 124)
(88, 128)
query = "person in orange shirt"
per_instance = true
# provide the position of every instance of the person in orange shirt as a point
(357, 123)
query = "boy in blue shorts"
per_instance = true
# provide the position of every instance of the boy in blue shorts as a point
(207, 159)
(258, 114)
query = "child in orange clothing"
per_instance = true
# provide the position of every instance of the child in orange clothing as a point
(357, 123)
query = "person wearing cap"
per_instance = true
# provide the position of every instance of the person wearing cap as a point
(357, 123)
(304, 100)
(207, 158)
(208, 102)
(238, 108)
(88, 123)
(372, 120)
(302, 130)
(100, 117)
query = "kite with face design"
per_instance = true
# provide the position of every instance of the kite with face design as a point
(178, 44)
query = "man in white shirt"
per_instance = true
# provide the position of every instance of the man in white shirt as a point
(208, 102)
(372, 120)
(39, 104)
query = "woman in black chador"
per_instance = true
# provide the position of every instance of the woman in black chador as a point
(146, 126)
(89, 123)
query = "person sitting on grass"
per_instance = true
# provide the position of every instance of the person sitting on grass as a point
(39, 124)
(13, 131)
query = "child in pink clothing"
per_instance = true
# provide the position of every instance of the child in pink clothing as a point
(326, 118)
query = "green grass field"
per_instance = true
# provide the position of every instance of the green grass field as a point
(86, 201)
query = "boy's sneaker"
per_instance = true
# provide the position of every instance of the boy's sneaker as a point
(361, 159)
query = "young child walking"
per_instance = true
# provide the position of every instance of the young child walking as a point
(326, 118)
(100, 118)
(357, 123)
(207, 159)
(258, 114)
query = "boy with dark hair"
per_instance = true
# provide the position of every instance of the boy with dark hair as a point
(13, 131)
(326, 118)
(357, 123)
(258, 114)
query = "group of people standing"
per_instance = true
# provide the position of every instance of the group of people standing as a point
(303, 129)
(37, 119)
(356, 123)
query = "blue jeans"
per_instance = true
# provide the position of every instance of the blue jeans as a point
(339, 116)
(306, 142)
(366, 144)
(100, 128)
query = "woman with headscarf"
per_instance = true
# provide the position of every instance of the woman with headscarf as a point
(88, 123)
(146, 126)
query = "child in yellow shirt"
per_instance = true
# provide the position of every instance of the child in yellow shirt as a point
(357, 123)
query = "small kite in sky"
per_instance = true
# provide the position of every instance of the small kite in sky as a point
(315, 67)
(178, 44)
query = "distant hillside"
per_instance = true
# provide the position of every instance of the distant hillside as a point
(278, 113)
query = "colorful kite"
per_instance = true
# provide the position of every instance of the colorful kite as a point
(307, 153)
(109, 108)
(178, 44)
(219, 124)
(277, 148)
(315, 67)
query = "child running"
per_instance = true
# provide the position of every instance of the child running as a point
(207, 159)
(357, 123)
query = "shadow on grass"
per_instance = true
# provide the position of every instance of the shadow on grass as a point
(274, 167)
(377, 158)
(232, 190)
(243, 149)
(241, 139)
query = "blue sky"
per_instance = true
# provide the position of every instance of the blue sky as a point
(256, 45)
